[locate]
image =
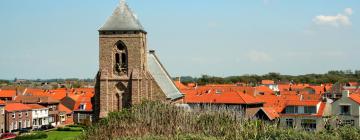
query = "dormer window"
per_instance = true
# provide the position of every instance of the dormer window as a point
(82, 106)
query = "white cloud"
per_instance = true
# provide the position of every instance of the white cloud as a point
(336, 20)
(258, 56)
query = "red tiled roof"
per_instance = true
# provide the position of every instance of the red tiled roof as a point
(302, 103)
(35, 106)
(271, 112)
(221, 95)
(355, 97)
(7, 93)
(63, 108)
(83, 100)
(264, 89)
(180, 85)
(16, 107)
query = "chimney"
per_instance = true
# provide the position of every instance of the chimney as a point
(178, 79)
(301, 97)
(346, 93)
(67, 92)
(17, 91)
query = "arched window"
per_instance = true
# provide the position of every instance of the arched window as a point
(121, 58)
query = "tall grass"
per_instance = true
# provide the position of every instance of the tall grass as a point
(155, 120)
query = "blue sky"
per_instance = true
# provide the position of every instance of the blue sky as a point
(59, 39)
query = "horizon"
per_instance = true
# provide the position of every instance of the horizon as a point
(264, 36)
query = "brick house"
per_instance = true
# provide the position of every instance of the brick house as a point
(2, 117)
(46, 101)
(81, 106)
(18, 116)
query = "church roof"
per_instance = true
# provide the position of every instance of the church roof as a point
(162, 77)
(122, 19)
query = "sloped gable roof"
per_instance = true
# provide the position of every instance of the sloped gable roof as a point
(162, 77)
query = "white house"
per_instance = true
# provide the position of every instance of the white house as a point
(40, 115)
(347, 109)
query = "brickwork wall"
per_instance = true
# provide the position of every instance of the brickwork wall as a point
(113, 91)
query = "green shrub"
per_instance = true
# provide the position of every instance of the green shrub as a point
(31, 136)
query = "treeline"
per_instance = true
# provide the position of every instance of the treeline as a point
(329, 77)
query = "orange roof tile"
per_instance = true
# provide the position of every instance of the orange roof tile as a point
(16, 107)
(7, 93)
(63, 108)
(355, 97)
(35, 106)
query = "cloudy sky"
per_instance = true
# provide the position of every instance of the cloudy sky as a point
(59, 39)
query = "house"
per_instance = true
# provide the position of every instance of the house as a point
(229, 96)
(347, 109)
(17, 116)
(67, 115)
(263, 113)
(46, 101)
(307, 115)
(2, 117)
(7, 95)
(40, 115)
(81, 106)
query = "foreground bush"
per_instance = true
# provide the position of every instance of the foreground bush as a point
(153, 120)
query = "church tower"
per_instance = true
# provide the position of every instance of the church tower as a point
(124, 78)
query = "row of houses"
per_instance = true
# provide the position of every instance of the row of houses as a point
(300, 106)
(32, 109)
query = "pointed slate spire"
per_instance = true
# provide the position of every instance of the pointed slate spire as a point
(123, 19)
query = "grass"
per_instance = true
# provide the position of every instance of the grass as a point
(63, 135)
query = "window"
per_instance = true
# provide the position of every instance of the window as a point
(20, 114)
(15, 126)
(290, 123)
(2, 111)
(120, 58)
(291, 110)
(309, 109)
(82, 106)
(13, 115)
(345, 110)
(348, 122)
(218, 91)
(26, 114)
(308, 124)
(28, 123)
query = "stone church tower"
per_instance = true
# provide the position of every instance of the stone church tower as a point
(128, 73)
